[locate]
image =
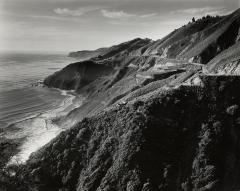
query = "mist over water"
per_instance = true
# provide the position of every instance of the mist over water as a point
(27, 111)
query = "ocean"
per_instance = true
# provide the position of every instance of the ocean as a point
(27, 109)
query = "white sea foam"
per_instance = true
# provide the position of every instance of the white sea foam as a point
(41, 129)
(27, 109)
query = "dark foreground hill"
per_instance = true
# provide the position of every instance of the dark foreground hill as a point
(178, 139)
(158, 115)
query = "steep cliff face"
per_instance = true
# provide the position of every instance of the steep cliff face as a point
(180, 139)
(77, 75)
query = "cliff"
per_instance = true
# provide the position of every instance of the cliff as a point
(77, 75)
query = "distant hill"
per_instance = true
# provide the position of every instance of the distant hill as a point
(87, 54)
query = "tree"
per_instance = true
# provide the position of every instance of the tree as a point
(193, 20)
(208, 17)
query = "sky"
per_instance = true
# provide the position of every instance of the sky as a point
(70, 25)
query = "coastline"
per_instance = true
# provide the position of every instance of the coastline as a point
(29, 134)
(24, 98)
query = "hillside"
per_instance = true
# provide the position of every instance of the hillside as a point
(179, 139)
(114, 51)
(157, 116)
(227, 62)
(199, 41)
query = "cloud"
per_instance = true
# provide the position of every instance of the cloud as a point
(44, 17)
(200, 11)
(116, 14)
(77, 12)
(122, 14)
(149, 15)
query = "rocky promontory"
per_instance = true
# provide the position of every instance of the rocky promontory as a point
(77, 75)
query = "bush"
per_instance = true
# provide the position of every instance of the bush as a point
(12, 179)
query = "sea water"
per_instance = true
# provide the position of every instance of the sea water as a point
(27, 109)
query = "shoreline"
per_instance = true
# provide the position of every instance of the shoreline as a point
(33, 132)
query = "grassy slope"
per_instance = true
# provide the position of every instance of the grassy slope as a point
(225, 60)
(180, 38)
(201, 40)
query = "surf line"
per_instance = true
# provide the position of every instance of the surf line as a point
(40, 130)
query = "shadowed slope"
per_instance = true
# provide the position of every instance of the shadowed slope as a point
(77, 75)
(180, 139)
